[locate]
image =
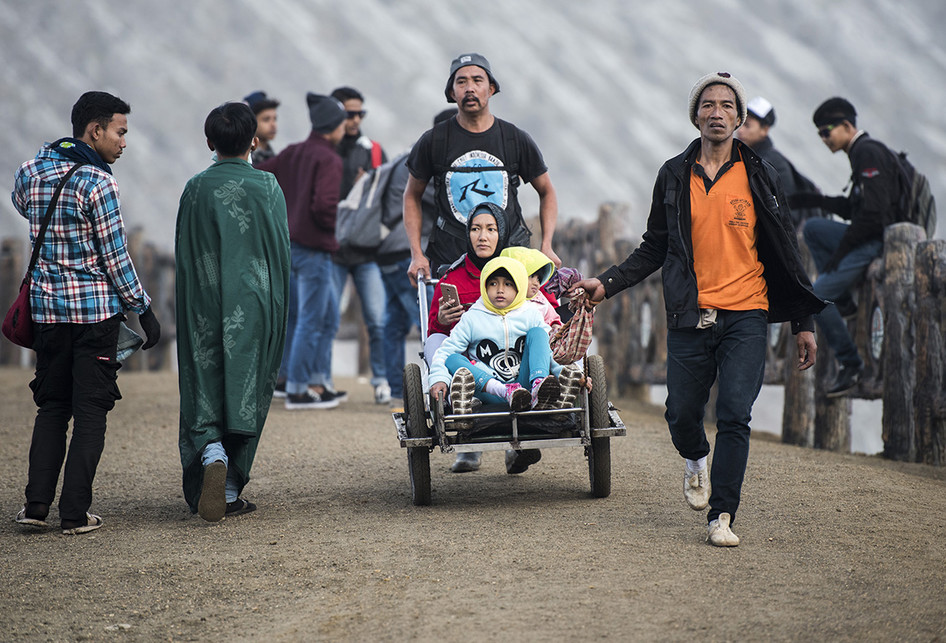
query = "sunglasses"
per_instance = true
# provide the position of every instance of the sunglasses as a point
(359, 114)
(825, 131)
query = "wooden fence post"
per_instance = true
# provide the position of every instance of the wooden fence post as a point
(929, 399)
(832, 428)
(798, 410)
(898, 362)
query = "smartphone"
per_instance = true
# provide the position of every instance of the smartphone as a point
(449, 291)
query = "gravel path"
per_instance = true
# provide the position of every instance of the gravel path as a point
(834, 547)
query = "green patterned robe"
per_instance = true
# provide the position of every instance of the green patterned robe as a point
(232, 296)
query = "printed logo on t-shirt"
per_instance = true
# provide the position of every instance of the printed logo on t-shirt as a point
(469, 188)
(505, 363)
(739, 218)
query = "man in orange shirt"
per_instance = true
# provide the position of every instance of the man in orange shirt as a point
(721, 233)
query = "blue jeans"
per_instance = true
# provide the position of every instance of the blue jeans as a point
(536, 360)
(215, 451)
(311, 297)
(370, 291)
(400, 313)
(823, 237)
(732, 352)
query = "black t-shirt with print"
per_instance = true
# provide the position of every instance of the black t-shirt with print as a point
(464, 185)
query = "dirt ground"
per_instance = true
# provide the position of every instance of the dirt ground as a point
(834, 547)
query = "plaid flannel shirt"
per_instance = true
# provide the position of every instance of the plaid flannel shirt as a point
(84, 274)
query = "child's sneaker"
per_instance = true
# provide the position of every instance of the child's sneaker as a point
(462, 387)
(519, 399)
(545, 393)
(570, 381)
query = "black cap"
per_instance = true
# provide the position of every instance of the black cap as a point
(834, 110)
(258, 101)
(462, 61)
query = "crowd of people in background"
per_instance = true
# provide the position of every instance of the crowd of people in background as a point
(260, 277)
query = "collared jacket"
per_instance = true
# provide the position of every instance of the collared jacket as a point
(667, 245)
(310, 174)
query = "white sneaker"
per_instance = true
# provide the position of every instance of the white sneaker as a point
(719, 534)
(696, 489)
(382, 393)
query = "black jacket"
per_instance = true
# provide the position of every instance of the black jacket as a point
(873, 203)
(667, 245)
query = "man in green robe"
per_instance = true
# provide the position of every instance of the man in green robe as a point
(232, 295)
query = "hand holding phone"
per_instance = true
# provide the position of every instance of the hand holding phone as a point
(449, 292)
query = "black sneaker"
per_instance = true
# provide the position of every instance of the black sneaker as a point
(280, 390)
(847, 379)
(329, 395)
(519, 461)
(308, 400)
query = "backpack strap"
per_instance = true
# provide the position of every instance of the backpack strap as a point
(376, 154)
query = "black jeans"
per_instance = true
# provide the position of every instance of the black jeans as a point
(76, 373)
(732, 351)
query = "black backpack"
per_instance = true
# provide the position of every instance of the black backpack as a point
(518, 231)
(916, 204)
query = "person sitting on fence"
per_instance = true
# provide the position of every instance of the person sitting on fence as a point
(499, 353)
(843, 251)
(540, 269)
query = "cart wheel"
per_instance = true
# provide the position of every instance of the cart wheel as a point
(418, 458)
(599, 453)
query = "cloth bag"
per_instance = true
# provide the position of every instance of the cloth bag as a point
(18, 323)
(570, 341)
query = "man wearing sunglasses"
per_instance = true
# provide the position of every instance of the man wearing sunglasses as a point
(360, 154)
(842, 251)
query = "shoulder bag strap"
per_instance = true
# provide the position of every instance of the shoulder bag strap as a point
(48, 216)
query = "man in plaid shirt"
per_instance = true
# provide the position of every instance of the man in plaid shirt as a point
(82, 284)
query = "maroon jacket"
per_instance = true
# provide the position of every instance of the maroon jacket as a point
(310, 175)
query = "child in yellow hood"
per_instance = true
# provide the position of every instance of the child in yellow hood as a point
(540, 269)
(499, 350)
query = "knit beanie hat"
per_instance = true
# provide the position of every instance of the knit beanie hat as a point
(763, 110)
(718, 78)
(462, 61)
(325, 112)
(833, 111)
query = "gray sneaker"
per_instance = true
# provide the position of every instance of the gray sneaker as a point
(570, 382)
(696, 489)
(719, 534)
(462, 387)
(466, 462)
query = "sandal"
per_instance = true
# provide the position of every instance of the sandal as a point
(23, 519)
(92, 522)
(239, 506)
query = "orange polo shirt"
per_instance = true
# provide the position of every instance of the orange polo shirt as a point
(728, 270)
